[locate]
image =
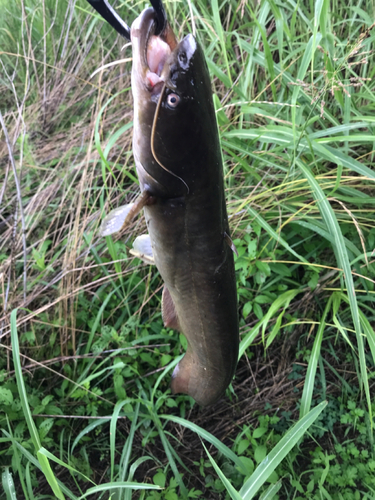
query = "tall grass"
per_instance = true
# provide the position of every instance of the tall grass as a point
(85, 367)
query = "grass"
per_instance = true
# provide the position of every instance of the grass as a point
(85, 404)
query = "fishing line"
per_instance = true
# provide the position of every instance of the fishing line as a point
(156, 115)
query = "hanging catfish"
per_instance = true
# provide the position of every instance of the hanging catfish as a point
(177, 154)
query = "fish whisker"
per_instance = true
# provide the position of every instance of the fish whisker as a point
(153, 139)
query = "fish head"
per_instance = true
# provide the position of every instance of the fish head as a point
(175, 133)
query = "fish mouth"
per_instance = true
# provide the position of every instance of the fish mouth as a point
(151, 52)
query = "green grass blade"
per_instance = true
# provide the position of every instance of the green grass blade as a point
(333, 227)
(97, 124)
(114, 138)
(282, 28)
(280, 135)
(46, 454)
(308, 387)
(252, 48)
(20, 383)
(329, 131)
(8, 484)
(50, 476)
(136, 464)
(87, 429)
(208, 437)
(217, 71)
(317, 20)
(357, 138)
(268, 57)
(335, 309)
(271, 491)
(324, 16)
(320, 228)
(167, 448)
(303, 65)
(133, 468)
(97, 320)
(249, 338)
(125, 458)
(220, 33)
(115, 258)
(274, 234)
(230, 489)
(340, 158)
(167, 369)
(116, 486)
(112, 433)
(282, 301)
(279, 452)
(17, 463)
(36, 464)
(97, 374)
(45, 466)
(369, 332)
(29, 482)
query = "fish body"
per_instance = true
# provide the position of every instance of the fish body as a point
(178, 159)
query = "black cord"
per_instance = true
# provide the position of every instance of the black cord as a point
(111, 16)
(161, 16)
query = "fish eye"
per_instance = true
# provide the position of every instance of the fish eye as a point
(173, 100)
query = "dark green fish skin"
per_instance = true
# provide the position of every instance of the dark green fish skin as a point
(187, 219)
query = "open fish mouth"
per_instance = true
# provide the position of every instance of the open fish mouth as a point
(151, 52)
(158, 52)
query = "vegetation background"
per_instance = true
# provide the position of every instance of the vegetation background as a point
(85, 364)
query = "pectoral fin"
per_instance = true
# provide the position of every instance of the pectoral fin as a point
(168, 311)
(142, 249)
(228, 239)
(113, 222)
(121, 217)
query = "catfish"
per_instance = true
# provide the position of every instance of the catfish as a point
(178, 159)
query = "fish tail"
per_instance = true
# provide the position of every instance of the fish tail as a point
(205, 385)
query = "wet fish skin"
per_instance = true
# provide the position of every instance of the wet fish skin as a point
(187, 220)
